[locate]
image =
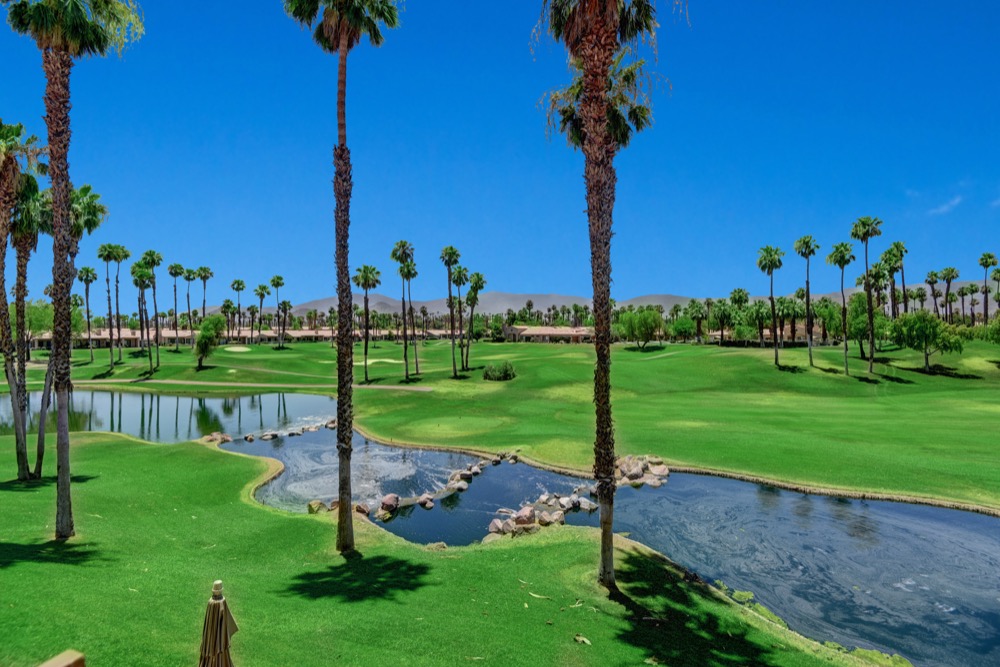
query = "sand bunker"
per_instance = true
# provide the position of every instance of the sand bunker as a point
(236, 348)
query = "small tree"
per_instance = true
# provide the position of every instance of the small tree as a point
(208, 338)
(926, 334)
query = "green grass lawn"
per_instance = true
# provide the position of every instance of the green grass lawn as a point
(158, 523)
(899, 432)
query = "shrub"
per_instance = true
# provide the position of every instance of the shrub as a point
(501, 373)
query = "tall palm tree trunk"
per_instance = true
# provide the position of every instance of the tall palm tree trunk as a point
(204, 296)
(118, 310)
(22, 248)
(871, 314)
(461, 330)
(809, 316)
(86, 304)
(406, 346)
(451, 330)
(57, 66)
(906, 297)
(774, 322)
(43, 412)
(597, 52)
(190, 321)
(472, 326)
(413, 329)
(111, 323)
(156, 324)
(177, 334)
(342, 186)
(8, 179)
(986, 297)
(366, 336)
(843, 319)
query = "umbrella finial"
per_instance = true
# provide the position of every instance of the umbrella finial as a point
(217, 589)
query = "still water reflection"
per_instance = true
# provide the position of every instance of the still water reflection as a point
(920, 581)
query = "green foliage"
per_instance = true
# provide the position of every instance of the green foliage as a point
(640, 326)
(208, 337)
(502, 373)
(743, 597)
(927, 334)
(992, 332)
(683, 328)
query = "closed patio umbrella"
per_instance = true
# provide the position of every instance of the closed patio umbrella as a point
(219, 628)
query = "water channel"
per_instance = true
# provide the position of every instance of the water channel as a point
(908, 579)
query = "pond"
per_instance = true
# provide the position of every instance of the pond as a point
(920, 581)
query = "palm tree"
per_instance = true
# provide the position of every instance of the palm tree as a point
(899, 248)
(204, 275)
(277, 282)
(460, 276)
(238, 286)
(806, 247)
(450, 257)
(841, 257)
(891, 261)
(769, 261)
(988, 260)
(919, 294)
(176, 271)
(106, 253)
(190, 275)
(15, 147)
(29, 220)
(864, 229)
(260, 292)
(142, 278)
(402, 253)
(476, 283)
(408, 271)
(252, 311)
(63, 32)
(121, 254)
(152, 259)
(339, 26)
(948, 275)
(87, 275)
(932, 280)
(593, 32)
(367, 278)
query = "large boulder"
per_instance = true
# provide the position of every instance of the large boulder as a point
(496, 526)
(633, 470)
(316, 506)
(565, 503)
(654, 460)
(558, 517)
(465, 475)
(496, 460)
(363, 509)
(459, 485)
(475, 470)
(390, 502)
(294, 432)
(426, 501)
(659, 470)
(526, 529)
(507, 526)
(544, 519)
(268, 435)
(587, 505)
(249, 437)
(525, 516)
(332, 424)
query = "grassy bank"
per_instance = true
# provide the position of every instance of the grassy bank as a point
(901, 432)
(157, 523)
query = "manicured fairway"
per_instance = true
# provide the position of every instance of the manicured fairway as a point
(157, 523)
(898, 432)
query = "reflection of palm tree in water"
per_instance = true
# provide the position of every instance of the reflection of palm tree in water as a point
(142, 416)
(112, 412)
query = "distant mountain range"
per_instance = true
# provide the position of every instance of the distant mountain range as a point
(500, 302)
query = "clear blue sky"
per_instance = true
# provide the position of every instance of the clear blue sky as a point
(212, 143)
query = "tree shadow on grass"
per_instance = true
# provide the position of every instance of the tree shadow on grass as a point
(867, 380)
(943, 371)
(832, 371)
(643, 350)
(35, 485)
(668, 623)
(204, 368)
(57, 552)
(995, 362)
(359, 578)
(895, 379)
(791, 369)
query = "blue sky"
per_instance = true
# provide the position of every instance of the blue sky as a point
(212, 139)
